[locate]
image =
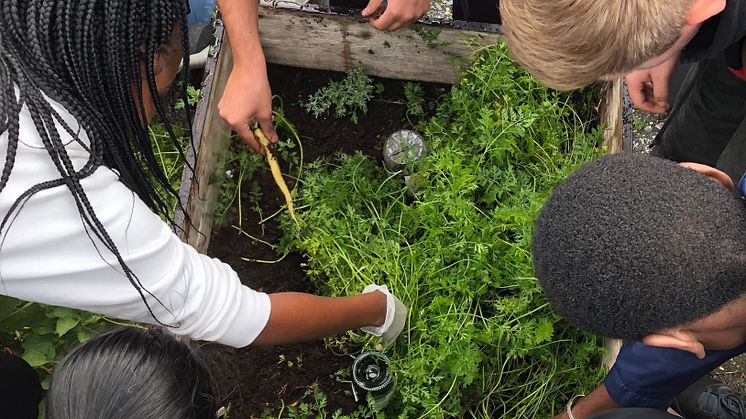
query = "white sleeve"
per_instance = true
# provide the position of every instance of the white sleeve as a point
(48, 256)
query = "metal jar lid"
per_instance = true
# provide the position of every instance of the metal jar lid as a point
(370, 372)
(403, 147)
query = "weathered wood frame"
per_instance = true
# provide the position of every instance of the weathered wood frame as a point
(328, 42)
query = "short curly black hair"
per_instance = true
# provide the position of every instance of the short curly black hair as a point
(631, 244)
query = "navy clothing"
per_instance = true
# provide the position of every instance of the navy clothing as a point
(633, 414)
(648, 376)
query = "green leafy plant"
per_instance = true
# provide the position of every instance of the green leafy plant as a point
(415, 96)
(480, 340)
(236, 171)
(430, 35)
(43, 334)
(638, 123)
(192, 98)
(347, 97)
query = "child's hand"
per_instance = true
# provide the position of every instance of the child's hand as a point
(247, 98)
(396, 13)
(648, 89)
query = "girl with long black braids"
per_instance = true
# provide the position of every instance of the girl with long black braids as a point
(79, 207)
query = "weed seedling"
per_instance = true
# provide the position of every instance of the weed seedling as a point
(347, 97)
(415, 96)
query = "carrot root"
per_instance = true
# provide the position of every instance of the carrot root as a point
(276, 172)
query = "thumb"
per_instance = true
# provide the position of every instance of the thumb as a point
(636, 93)
(244, 131)
(660, 91)
(372, 7)
(268, 129)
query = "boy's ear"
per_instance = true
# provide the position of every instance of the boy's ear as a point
(702, 10)
(711, 172)
(676, 339)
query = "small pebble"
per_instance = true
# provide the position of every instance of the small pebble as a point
(648, 129)
(379, 347)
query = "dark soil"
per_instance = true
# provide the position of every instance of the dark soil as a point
(255, 379)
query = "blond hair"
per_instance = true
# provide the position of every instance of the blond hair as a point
(567, 44)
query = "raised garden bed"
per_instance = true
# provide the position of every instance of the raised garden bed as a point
(299, 379)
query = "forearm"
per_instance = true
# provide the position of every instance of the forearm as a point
(241, 18)
(298, 317)
(597, 401)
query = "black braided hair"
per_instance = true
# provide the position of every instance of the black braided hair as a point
(87, 55)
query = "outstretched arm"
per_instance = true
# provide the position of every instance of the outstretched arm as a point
(296, 317)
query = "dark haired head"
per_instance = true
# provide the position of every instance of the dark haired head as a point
(630, 245)
(131, 373)
(92, 57)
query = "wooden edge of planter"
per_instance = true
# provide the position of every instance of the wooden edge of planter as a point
(339, 43)
(611, 112)
(199, 188)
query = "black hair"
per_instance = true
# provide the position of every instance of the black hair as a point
(87, 55)
(630, 244)
(132, 373)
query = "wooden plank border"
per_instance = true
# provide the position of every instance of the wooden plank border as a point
(611, 111)
(339, 43)
(199, 187)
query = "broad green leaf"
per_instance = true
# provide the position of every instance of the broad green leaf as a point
(35, 359)
(7, 306)
(65, 324)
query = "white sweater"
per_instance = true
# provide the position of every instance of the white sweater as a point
(47, 257)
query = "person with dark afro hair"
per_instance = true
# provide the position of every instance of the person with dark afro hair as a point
(631, 245)
(653, 252)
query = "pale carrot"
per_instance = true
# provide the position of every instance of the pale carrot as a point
(276, 172)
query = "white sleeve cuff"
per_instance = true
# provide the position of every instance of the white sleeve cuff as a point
(250, 320)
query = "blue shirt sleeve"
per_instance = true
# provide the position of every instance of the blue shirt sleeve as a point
(648, 376)
(201, 11)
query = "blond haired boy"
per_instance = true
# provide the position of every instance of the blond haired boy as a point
(567, 44)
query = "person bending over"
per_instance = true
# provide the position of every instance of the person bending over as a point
(79, 189)
(644, 249)
(566, 44)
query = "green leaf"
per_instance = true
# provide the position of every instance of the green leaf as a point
(83, 334)
(35, 359)
(40, 350)
(7, 306)
(61, 312)
(544, 332)
(66, 324)
(26, 315)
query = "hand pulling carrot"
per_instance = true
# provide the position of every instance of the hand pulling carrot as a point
(276, 173)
